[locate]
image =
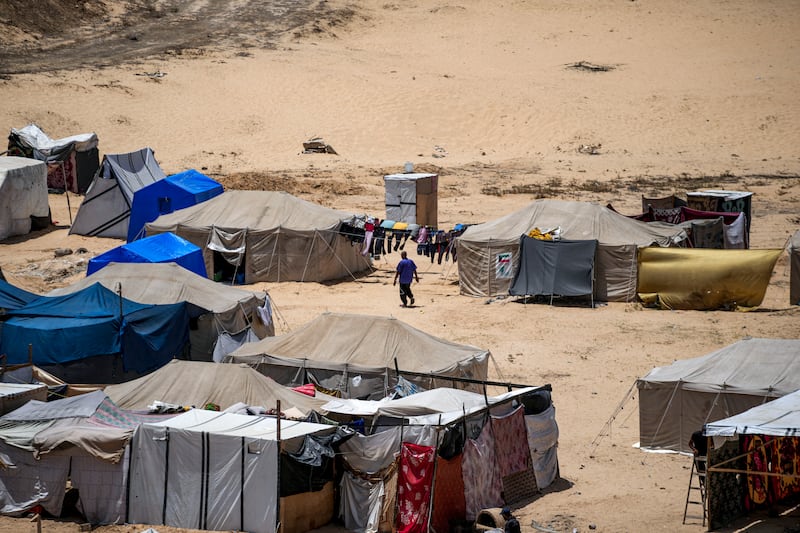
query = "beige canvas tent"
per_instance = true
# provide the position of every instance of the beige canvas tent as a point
(218, 308)
(198, 383)
(676, 400)
(358, 355)
(270, 236)
(488, 254)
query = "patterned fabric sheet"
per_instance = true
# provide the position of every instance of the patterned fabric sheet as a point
(414, 484)
(482, 484)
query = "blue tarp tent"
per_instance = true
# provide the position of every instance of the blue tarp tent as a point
(12, 297)
(94, 336)
(162, 248)
(165, 196)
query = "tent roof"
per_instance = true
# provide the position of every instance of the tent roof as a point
(578, 221)
(412, 176)
(164, 283)
(780, 418)
(91, 301)
(253, 210)
(189, 180)
(235, 425)
(161, 248)
(33, 136)
(198, 383)
(12, 297)
(760, 367)
(362, 341)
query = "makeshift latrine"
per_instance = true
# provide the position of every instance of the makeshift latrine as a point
(412, 198)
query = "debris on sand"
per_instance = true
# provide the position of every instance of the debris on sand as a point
(589, 149)
(316, 145)
(590, 67)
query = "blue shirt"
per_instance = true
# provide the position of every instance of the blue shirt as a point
(406, 269)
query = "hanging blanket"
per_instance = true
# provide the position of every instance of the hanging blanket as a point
(511, 442)
(414, 482)
(482, 483)
(448, 493)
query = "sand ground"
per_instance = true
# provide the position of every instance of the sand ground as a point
(696, 95)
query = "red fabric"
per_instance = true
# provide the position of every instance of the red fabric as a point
(448, 493)
(63, 174)
(414, 480)
(694, 214)
(307, 389)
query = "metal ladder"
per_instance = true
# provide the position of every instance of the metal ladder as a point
(697, 486)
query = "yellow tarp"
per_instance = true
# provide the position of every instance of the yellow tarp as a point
(680, 278)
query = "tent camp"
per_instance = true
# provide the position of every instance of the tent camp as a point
(794, 259)
(23, 196)
(677, 400)
(215, 471)
(174, 192)
(71, 161)
(223, 385)
(267, 235)
(488, 254)
(82, 439)
(217, 309)
(360, 355)
(702, 279)
(106, 208)
(94, 335)
(163, 248)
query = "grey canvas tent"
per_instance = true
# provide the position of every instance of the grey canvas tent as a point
(488, 254)
(794, 260)
(564, 268)
(215, 308)
(23, 195)
(198, 383)
(677, 400)
(359, 355)
(267, 235)
(106, 208)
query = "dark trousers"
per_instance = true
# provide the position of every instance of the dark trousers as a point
(405, 293)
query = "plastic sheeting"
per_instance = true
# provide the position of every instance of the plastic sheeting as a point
(698, 279)
(164, 248)
(778, 418)
(12, 297)
(23, 194)
(564, 268)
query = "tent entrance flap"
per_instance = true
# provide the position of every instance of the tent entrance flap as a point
(564, 268)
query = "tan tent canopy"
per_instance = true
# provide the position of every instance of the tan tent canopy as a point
(228, 309)
(357, 354)
(488, 254)
(676, 400)
(198, 383)
(271, 236)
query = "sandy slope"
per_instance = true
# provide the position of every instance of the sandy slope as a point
(701, 94)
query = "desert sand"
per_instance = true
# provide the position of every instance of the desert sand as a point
(694, 95)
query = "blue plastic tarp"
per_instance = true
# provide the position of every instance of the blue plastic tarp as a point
(12, 297)
(161, 248)
(95, 322)
(165, 196)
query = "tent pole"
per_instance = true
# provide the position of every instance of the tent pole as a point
(278, 469)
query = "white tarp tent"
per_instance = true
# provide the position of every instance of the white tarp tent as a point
(210, 470)
(677, 400)
(218, 308)
(488, 254)
(778, 418)
(23, 194)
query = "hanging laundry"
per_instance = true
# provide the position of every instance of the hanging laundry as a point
(414, 484)
(265, 311)
(511, 442)
(482, 484)
(448, 493)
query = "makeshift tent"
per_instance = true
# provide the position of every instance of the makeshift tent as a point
(223, 385)
(163, 248)
(174, 192)
(677, 400)
(83, 439)
(705, 279)
(270, 236)
(794, 260)
(23, 195)
(106, 209)
(12, 297)
(563, 267)
(217, 308)
(488, 254)
(412, 198)
(720, 200)
(215, 471)
(359, 355)
(778, 418)
(71, 161)
(14, 395)
(94, 335)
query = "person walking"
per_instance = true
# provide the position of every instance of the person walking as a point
(406, 272)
